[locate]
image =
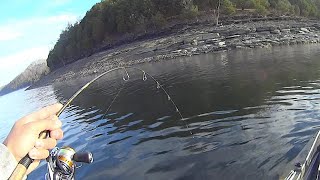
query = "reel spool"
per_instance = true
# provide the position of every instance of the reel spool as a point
(61, 163)
(65, 160)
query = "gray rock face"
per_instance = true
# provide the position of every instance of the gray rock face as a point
(245, 36)
(233, 36)
(211, 41)
(222, 44)
(199, 39)
(210, 36)
(317, 26)
(262, 29)
(304, 30)
(276, 31)
(237, 32)
(194, 42)
(285, 31)
(265, 33)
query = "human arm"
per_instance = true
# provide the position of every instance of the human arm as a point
(23, 137)
(7, 162)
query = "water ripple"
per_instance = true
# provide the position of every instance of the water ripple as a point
(247, 115)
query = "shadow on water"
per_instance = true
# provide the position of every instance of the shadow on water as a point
(247, 114)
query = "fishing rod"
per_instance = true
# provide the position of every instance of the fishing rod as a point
(24, 163)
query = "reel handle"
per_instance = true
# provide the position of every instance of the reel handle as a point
(85, 157)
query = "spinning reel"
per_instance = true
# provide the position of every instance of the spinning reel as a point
(61, 163)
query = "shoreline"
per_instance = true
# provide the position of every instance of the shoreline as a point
(191, 40)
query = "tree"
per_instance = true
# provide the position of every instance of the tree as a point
(190, 12)
(169, 8)
(218, 12)
(243, 4)
(158, 20)
(98, 30)
(307, 7)
(228, 7)
(283, 6)
(261, 6)
(206, 5)
(108, 20)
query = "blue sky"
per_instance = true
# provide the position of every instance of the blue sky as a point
(30, 28)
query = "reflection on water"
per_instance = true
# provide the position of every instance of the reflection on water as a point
(20, 103)
(249, 113)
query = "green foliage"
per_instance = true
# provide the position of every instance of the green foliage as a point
(110, 20)
(309, 8)
(244, 4)
(260, 9)
(283, 6)
(261, 6)
(190, 12)
(264, 3)
(228, 6)
(158, 20)
(297, 10)
(206, 4)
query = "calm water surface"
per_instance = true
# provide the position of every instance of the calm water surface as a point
(247, 114)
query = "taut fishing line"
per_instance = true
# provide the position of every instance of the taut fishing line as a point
(126, 78)
(25, 162)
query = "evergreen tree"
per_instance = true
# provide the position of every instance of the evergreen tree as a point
(110, 19)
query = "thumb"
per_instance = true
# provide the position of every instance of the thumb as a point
(41, 125)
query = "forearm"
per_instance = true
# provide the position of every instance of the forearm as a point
(7, 162)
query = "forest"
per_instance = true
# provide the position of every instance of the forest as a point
(110, 21)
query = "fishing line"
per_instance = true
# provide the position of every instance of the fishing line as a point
(25, 162)
(159, 86)
(126, 78)
(114, 99)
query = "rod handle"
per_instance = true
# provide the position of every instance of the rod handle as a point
(21, 169)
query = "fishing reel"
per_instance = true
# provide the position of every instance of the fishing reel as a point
(61, 163)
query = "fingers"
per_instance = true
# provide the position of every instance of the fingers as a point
(38, 154)
(39, 126)
(48, 143)
(45, 112)
(56, 134)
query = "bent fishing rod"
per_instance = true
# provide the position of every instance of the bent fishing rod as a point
(21, 169)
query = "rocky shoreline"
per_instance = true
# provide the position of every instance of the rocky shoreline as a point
(192, 40)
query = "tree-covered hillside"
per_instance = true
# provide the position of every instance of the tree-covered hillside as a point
(111, 21)
(32, 74)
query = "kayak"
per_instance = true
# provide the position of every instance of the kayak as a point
(309, 168)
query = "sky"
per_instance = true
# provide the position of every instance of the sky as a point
(30, 28)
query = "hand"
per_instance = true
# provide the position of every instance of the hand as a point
(24, 139)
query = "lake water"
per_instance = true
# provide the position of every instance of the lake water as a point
(247, 115)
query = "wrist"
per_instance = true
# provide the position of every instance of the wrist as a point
(10, 149)
(7, 153)
(7, 163)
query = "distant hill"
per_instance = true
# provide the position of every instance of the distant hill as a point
(32, 74)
